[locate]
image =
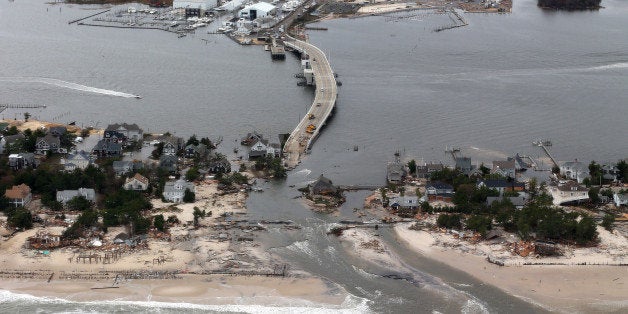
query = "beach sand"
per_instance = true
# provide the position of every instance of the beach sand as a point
(557, 287)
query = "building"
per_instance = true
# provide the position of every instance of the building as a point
(620, 199)
(128, 132)
(439, 191)
(57, 131)
(122, 167)
(80, 160)
(504, 168)
(219, 166)
(66, 195)
(168, 162)
(464, 164)
(574, 170)
(11, 143)
(568, 192)
(19, 195)
(22, 160)
(48, 143)
(202, 5)
(263, 149)
(107, 149)
(192, 151)
(405, 202)
(425, 171)
(610, 172)
(257, 10)
(395, 172)
(136, 183)
(517, 201)
(322, 186)
(174, 191)
(502, 185)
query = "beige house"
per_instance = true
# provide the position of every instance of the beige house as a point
(136, 183)
(19, 195)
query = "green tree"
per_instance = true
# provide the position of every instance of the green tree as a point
(159, 222)
(192, 140)
(189, 196)
(192, 174)
(607, 222)
(479, 223)
(449, 221)
(622, 166)
(484, 169)
(594, 195)
(412, 166)
(595, 171)
(20, 218)
(555, 170)
(79, 203)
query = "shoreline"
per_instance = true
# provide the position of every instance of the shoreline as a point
(197, 291)
(563, 288)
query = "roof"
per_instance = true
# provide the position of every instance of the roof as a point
(121, 164)
(18, 192)
(263, 6)
(322, 183)
(79, 155)
(501, 183)
(89, 194)
(139, 178)
(571, 186)
(170, 186)
(126, 126)
(504, 164)
(405, 201)
(439, 185)
(49, 138)
(9, 139)
(515, 200)
(575, 165)
(103, 145)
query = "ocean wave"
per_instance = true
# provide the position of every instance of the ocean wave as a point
(613, 66)
(69, 85)
(473, 306)
(304, 172)
(351, 304)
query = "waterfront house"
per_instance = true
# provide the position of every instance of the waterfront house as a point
(113, 136)
(610, 172)
(48, 143)
(175, 190)
(518, 201)
(463, 164)
(79, 160)
(122, 167)
(251, 138)
(502, 185)
(322, 186)
(22, 160)
(574, 170)
(405, 202)
(19, 195)
(425, 171)
(219, 166)
(192, 151)
(11, 143)
(57, 131)
(620, 199)
(136, 183)
(439, 191)
(262, 149)
(130, 132)
(107, 149)
(504, 168)
(568, 192)
(169, 162)
(395, 172)
(66, 195)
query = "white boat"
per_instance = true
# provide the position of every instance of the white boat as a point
(131, 10)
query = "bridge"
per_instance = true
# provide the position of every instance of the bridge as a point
(301, 138)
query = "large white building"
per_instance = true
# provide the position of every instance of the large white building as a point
(258, 10)
(194, 4)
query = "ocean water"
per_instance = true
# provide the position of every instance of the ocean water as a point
(490, 88)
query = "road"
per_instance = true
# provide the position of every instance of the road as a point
(324, 102)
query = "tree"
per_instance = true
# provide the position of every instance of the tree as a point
(449, 221)
(622, 166)
(192, 174)
(192, 140)
(20, 218)
(197, 215)
(159, 149)
(607, 222)
(79, 203)
(485, 170)
(555, 170)
(189, 196)
(594, 195)
(159, 222)
(585, 230)
(479, 223)
(595, 171)
(26, 116)
(412, 166)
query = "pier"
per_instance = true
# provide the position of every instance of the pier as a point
(85, 18)
(324, 79)
(543, 144)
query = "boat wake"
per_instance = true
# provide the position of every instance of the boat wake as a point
(614, 66)
(69, 85)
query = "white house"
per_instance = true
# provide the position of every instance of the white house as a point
(574, 170)
(66, 195)
(568, 191)
(620, 199)
(175, 190)
(194, 4)
(19, 195)
(80, 160)
(136, 183)
(257, 10)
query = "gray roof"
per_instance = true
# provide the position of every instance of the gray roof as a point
(405, 201)
(10, 139)
(117, 126)
(89, 194)
(79, 155)
(172, 186)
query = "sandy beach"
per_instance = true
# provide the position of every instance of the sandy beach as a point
(562, 288)
(194, 289)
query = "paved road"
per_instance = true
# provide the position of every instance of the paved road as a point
(324, 102)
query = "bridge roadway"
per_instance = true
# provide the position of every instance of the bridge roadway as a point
(299, 140)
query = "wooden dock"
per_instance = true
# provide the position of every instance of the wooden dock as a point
(85, 18)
